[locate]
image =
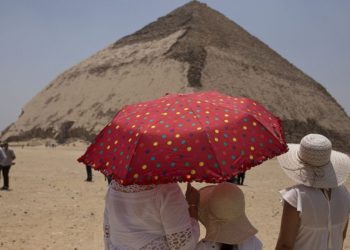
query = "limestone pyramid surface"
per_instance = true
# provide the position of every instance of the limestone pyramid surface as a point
(193, 48)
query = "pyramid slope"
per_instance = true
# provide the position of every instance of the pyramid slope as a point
(193, 48)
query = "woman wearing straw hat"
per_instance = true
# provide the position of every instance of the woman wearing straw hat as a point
(316, 210)
(222, 212)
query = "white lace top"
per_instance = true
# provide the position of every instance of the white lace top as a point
(148, 217)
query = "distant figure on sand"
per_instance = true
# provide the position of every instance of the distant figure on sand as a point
(316, 210)
(88, 173)
(150, 217)
(2, 156)
(222, 212)
(241, 177)
(6, 161)
(109, 179)
(238, 179)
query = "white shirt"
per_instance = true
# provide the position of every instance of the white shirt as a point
(157, 218)
(2, 156)
(322, 221)
(9, 157)
(252, 243)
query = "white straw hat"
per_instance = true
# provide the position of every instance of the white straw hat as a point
(222, 212)
(313, 163)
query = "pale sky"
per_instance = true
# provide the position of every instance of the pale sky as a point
(39, 39)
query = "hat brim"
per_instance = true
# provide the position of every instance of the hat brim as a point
(330, 175)
(234, 232)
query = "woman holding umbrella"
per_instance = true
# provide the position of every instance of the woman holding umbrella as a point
(204, 136)
(150, 217)
(316, 211)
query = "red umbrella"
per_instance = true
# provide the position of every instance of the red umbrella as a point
(203, 136)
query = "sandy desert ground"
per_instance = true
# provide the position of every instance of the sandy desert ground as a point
(50, 206)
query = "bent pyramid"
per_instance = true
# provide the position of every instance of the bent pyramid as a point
(193, 48)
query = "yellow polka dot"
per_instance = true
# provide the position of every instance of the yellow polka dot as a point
(108, 147)
(201, 164)
(117, 126)
(137, 134)
(153, 126)
(107, 163)
(252, 148)
(138, 116)
(168, 104)
(234, 139)
(165, 114)
(169, 143)
(254, 103)
(198, 101)
(199, 128)
(177, 135)
(193, 171)
(178, 113)
(185, 108)
(155, 143)
(245, 127)
(254, 123)
(207, 112)
(226, 115)
(251, 157)
(216, 139)
(189, 149)
(217, 131)
(130, 139)
(133, 126)
(147, 113)
(241, 101)
(225, 121)
(136, 176)
(144, 167)
(156, 177)
(116, 142)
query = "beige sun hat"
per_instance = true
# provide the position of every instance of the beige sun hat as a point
(313, 163)
(222, 212)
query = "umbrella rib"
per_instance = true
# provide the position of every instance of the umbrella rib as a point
(142, 134)
(207, 135)
(285, 149)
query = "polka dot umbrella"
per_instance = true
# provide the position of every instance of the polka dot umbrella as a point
(203, 136)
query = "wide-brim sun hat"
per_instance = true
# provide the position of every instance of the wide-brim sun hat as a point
(222, 212)
(313, 163)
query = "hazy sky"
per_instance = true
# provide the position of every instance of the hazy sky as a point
(39, 39)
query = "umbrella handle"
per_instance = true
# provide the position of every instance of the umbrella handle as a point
(192, 195)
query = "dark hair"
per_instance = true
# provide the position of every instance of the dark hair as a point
(228, 247)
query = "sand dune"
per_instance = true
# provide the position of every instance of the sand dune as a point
(51, 207)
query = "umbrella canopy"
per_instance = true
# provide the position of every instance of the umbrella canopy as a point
(203, 136)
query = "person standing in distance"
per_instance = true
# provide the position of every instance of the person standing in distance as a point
(6, 164)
